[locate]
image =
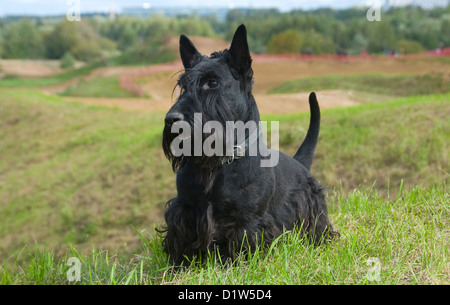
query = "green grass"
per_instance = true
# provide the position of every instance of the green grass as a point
(406, 138)
(77, 169)
(98, 87)
(403, 240)
(388, 84)
(72, 174)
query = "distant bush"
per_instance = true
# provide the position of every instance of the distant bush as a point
(405, 46)
(288, 41)
(144, 55)
(316, 43)
(67, 61)
(292, 41)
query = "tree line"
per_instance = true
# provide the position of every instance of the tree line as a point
(136, 40)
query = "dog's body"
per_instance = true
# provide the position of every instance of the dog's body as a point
(235, 204)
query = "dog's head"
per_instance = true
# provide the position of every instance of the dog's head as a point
(215, 88)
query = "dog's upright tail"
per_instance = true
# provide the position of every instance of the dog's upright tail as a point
(305, 153)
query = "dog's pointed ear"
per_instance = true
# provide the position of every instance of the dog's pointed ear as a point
(187, 51)
(240, 58)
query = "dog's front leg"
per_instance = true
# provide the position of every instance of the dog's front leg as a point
(189, 231)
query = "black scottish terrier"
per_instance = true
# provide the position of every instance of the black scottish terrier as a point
(228, 201)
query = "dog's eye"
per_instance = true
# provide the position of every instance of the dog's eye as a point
(210, 84)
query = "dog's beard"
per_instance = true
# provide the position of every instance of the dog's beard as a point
(209, 162)
(168, 138)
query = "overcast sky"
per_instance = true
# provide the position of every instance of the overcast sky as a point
(52, 7)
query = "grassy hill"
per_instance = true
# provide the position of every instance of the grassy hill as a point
(98, 87)
(395, 84)
(79, 175)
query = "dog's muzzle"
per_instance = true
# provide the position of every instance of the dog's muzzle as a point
(173, 117)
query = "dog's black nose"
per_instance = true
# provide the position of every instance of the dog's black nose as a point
(173, 117)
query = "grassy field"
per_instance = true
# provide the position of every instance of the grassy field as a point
(91, 182)
(98, 87)
(132, 58)
(381, 143)
(88, 176)
(403, 240)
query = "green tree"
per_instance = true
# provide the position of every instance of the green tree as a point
(234, 15)
(445, 30)
(22, 39)
(78, 38)
(195, 26)
(381, 37)
(62, 39)
(1, 42)
(428, 34)
(128, 36)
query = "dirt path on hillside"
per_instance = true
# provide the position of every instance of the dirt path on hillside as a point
(29, 67)
(298, 102)
(100, 72)
(273, 103)
(158, 81)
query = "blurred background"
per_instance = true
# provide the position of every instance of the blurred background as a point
(84, 86)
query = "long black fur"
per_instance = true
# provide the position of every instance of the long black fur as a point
(233, 207)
